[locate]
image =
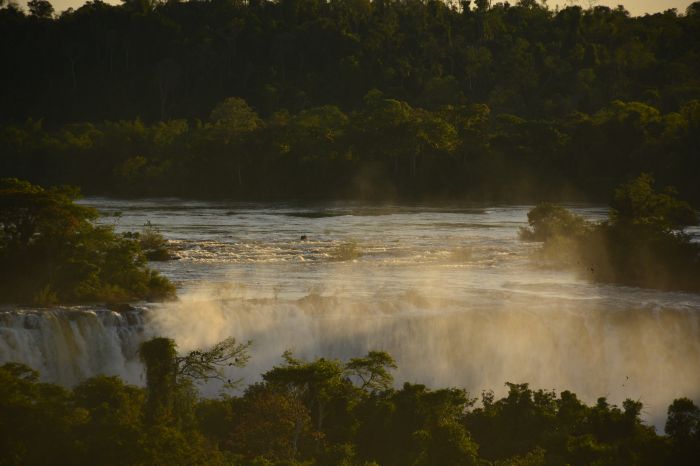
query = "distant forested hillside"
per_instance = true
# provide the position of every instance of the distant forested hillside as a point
(349, 98)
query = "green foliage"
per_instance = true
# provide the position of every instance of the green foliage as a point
(683, 429)
(548, 221)
(169, 377)
(112, 431)
(683, 421)
(642, 243)
(159, 357)
(637, 202)
(234, 116)
(32, 414)
(40, 8)
(346, 252)
(274, 422)
(524, 57)
(319, 384)
(415, 425)
(270, 424)
(372, 370)
(204, 365)
(410, 100)
(153, 244)
(385, 148)
(51, 252)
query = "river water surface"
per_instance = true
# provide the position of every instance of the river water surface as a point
(449, 291)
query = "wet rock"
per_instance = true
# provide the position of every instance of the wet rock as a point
(31, 322)
(120, 307)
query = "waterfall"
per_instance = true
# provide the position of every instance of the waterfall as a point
(69, 344)
(648, 353)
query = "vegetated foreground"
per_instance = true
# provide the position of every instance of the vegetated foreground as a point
(320, 412)
(372, 100)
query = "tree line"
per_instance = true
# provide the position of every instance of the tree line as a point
(385, 150)
(319, 412)
(349, 98)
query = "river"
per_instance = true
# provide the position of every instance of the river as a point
(449, 291)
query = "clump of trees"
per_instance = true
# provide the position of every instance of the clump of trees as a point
(320, 412)
(642, 243)
(51, 251)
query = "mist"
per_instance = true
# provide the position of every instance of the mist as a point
(451, 293)
(645, 353)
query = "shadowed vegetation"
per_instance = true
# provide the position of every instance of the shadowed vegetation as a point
(350, 98)
(51, 252)
(321, 412)
(642, 243)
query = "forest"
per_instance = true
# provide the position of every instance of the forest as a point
(320, 412)
(382, 100)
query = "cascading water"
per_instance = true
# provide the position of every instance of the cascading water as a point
(451, 293)
(648, 354)
(69, 344)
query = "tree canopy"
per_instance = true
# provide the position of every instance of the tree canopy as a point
(50, 251)
(276, 421)
(417, 99)
(642, 243)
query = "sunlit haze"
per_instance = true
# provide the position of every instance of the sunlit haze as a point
(635, 7)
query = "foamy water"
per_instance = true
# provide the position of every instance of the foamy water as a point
(450, 292)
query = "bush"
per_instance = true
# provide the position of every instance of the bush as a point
(641, 244)
(51, 252)
(153, 244)
(549, 220)
(346, 252)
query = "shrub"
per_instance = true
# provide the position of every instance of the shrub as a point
(51, 252)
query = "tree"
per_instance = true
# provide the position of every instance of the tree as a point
(113, 430)
(31, 213)
(547, 221)
(415, 425)
(40, 8)
(683, 422)
(233, 121)
(372, 370)
(317, 384)
(233, 117)
(32, 415)
(50, 251)
(159, 357)
(638, 203)
(641, 244)
(166, 372)
(683, 428)
(205, 365)
(270, 423)
(167, 77)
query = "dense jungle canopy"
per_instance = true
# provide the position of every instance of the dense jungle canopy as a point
(349, 98)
